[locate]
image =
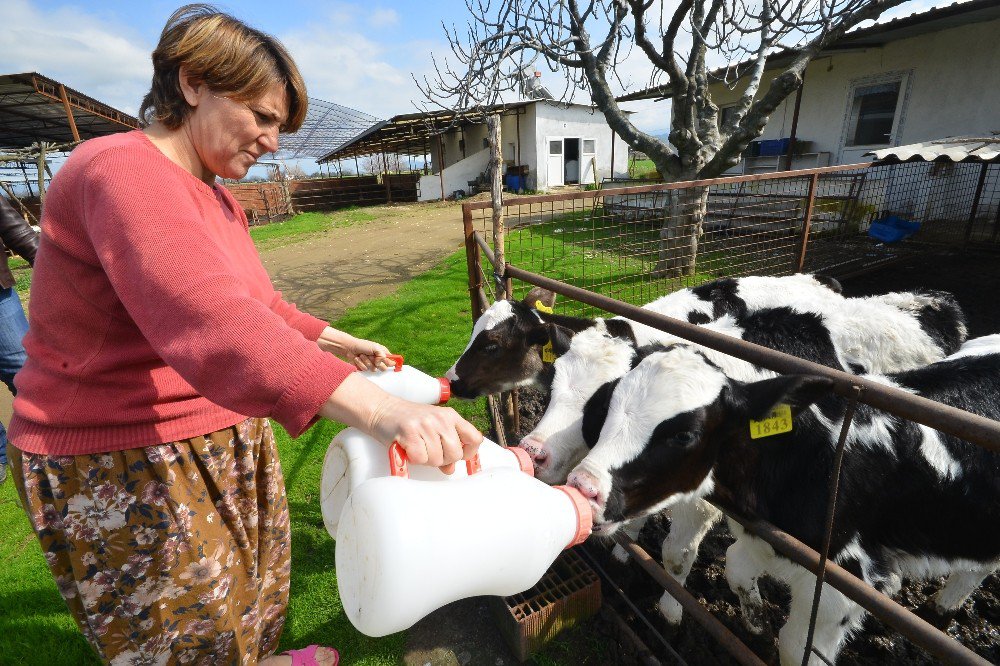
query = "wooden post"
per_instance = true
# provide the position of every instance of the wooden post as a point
(441, 165)
(41, 173)
(975, 201)
(385, 177)
(473, 261)
(501, 286)
(807, 222)
(69, 112)
(288, 194)
(496, 196)
(612, 158)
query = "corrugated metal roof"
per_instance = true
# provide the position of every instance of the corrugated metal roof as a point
(32, 109)
(957, 149)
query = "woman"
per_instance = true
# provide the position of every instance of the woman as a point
(155, 332)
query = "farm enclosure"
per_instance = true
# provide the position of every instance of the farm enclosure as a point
(612, 243)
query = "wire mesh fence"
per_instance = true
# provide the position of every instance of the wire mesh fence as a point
(636, 241)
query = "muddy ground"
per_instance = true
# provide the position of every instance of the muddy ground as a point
(975, 281)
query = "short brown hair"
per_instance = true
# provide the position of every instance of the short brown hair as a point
(228, 56)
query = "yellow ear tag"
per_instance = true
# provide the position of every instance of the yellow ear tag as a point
(777, 422)
(542, 307)
(548, 356)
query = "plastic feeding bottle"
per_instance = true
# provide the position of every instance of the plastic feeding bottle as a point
(407, 547)
(406, 382)
(353, 457)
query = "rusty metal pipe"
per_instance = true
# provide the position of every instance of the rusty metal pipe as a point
(914, 628)
(699, 613)
(487, 250)
(965, 425)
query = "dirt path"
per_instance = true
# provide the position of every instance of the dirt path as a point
(328, 274)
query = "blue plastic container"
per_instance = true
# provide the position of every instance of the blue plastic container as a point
(772, 147)
(514, 182)
(892, 229)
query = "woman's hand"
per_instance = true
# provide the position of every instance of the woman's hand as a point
(429, 435)
(364, 354)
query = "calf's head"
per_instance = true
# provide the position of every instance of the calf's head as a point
(504, 351)
(667, 422)
(595, 357)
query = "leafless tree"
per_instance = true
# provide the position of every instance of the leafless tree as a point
(585, 42)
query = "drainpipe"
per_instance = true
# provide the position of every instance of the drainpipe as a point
(795, 122)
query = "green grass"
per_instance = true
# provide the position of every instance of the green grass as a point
(616, 260)
(297, 228)
(642, 169)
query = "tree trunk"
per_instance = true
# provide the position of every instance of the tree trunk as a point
(681, 231)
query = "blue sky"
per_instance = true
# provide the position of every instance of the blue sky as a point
(359, 54)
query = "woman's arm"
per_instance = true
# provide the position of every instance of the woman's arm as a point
(430, 435)
(364, 354)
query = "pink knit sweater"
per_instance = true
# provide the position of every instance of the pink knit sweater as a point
(151, 316)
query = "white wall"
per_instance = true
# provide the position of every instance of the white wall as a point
(573, 122)
(456, 176)
(952, 88)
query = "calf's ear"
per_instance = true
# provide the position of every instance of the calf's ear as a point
(799, 391)
(560, 337)
(547, 298)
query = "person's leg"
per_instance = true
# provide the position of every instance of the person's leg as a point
(3, 453)
(13, 326)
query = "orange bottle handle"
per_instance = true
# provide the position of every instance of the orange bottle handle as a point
(398, 358)
(398, 464)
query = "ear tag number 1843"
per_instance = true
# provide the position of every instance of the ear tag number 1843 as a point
(777, 422)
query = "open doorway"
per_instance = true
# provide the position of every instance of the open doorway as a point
(572, 161)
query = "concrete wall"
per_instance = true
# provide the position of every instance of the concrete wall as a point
(456, 176)
(951, 87)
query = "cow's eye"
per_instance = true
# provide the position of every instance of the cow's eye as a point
(686, 438)
(491, 348)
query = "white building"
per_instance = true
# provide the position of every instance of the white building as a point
(923, 77)
(553, 144)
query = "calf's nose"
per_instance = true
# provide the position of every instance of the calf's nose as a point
(535, 449)
(587, 484)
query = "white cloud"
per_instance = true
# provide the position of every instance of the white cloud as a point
(383, 18)
(105, 60)
(342, 64)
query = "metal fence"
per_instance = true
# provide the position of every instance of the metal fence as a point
(636, 242)
(609, 249)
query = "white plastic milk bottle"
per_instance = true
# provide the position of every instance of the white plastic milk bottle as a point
(407, 547)
(353, 457)
(406, 382)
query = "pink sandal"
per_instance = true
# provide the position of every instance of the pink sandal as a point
(307, 656)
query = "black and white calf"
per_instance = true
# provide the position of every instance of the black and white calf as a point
(913, 502)
(585, 377)
(505, 349)
(889, 333)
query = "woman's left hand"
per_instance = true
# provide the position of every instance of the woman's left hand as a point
(368, 355)
(364, 354)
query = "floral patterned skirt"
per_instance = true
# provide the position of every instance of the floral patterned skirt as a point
(171, 553)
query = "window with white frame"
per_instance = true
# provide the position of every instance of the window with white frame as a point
(873, 113)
